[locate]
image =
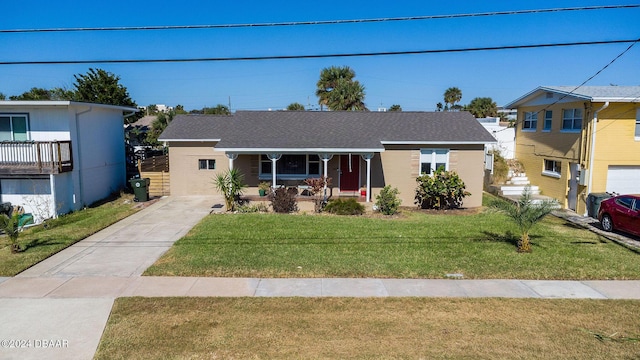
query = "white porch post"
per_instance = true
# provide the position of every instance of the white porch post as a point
(367, 157)
(325, 157)
(231, 157)
(273, 157)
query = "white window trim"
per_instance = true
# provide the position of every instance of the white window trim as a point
(530, 129)
(544, 121)
(553, 174)
(264, 176)
(208, 162)
(635, 129)
(28, 125)
(433, 159)
(573, 119)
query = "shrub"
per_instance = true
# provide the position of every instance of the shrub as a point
(345, 207)
(387, 201)
(500, 168)
(283, 200)
(259, 207)
(442, 190)
(316, 188)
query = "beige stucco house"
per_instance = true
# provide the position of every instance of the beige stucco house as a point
(358, 150)
(574, 141)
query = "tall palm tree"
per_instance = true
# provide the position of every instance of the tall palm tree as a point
(525, 214)
(452, 96)
(347, 96)
(334, 77)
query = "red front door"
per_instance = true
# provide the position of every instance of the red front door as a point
(349, 173)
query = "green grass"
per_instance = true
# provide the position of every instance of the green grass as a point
(370, 328)
(39, 243)
(414, 245)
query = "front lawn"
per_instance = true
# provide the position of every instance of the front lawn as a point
(39, 243)
(373, 328)
(414, 245)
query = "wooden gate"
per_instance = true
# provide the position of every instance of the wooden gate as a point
(157, 170)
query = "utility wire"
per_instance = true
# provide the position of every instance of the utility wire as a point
(516, 123)
(325, 22)
(318, 56)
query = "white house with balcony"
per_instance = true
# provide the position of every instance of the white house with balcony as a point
(505, 136)
(60, 156)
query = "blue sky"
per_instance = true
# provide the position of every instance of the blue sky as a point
(416, 82)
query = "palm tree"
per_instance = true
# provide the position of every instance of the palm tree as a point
(347, 96)
(337, 90)
(295, 107)
(10, 225)
(452, 96)
(395, 107)
(525, 214)
(230, 184)
(482, 107)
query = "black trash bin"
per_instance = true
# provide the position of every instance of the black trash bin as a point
(140, 189)
(593, 203)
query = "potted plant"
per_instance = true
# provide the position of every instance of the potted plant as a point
(263, 188)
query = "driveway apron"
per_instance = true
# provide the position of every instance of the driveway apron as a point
(58, 308)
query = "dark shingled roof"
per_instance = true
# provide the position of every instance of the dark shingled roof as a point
(326, 130)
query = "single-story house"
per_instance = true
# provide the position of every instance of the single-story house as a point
(59, 156)
(358, 150)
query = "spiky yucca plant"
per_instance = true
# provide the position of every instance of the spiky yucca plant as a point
(525, 214)
(230, 184)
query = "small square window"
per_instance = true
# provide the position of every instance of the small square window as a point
(552, 168)
(206, 164)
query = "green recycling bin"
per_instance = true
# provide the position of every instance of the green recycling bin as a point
(593, 203)
(140, 189)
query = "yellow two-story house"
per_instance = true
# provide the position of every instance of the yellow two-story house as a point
(574, 141)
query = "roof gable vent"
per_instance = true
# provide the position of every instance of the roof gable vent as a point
(549, 95)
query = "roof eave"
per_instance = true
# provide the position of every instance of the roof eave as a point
(403, 142)
(300, 150)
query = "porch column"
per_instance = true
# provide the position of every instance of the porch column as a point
(325, 157)
(273, 157)
(231, 157)
(367, 157)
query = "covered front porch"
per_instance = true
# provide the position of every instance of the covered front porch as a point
(350, 172)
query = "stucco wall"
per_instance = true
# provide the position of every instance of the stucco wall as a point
(401, 166)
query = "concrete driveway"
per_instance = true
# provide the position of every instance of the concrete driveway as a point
(58, 308)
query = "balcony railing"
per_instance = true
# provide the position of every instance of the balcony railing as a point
(35, 157)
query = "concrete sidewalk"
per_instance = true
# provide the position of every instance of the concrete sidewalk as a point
(36, 324)
(151, 286)
(58, 308)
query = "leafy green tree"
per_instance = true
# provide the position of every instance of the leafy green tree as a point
(217, 110)
(101, 87)
(337, 90)
(452, 96)
(152, 109)
(295, 107)
(525, 214)
(230, 184)
(33, 94)
(3, 96)
(482, 107)
(439, 106)
(179, 110)
(395, 107)
(39, 94)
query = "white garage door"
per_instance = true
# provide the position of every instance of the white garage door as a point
(623, 179)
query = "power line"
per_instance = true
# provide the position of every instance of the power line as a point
(317, 56)
(516, 123)
(325, 22)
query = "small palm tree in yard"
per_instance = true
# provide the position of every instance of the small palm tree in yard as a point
(525, 214)
(10, 225)
(230, 184)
